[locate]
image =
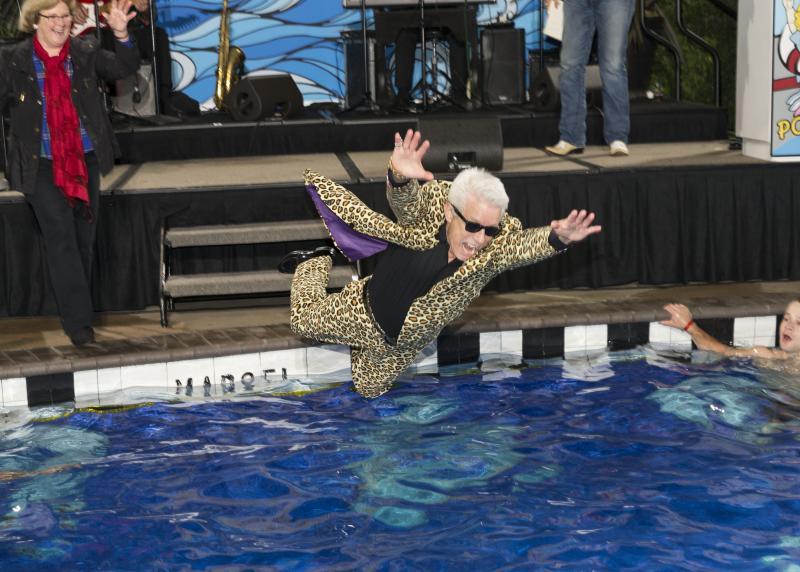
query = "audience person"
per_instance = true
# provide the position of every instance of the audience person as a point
(61, 139)
(611, 19)
(788, 334)
(450, 240)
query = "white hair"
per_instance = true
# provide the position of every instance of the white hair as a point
(480, 184)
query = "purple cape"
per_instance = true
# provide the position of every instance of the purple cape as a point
(353, 244)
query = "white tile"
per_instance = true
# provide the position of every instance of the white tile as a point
(197, 369)
(766, 341)
(85, 383)
(148, 375)
(236, 366)
(659, 333)
(427, 360)
(109, 379)
(597, 337)
(294, 361)
(15, 391)
(512, 342)
(585, 339)
(574, 339)
(491, 343)
(680, 339)
(744, 331)
(328, 359)
(766, 326)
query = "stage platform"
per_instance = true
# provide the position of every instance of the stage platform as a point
(326, 129)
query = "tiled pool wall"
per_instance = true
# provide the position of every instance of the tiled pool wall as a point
(96, 387)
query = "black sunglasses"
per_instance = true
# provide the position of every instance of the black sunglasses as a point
(470, 226)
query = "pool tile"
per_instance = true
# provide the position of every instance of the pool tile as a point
(49, 389)
(585, 339)
(86, 385)
(328, 359)
(672, 337)
(294, 361)
(196, 369)
(236, 366)
(145, 375)
(427, 361)
(506, 342)
(744, 331)
(109, 379)
(457, 349)
(627, 335)
(543, 343)
(15, 392)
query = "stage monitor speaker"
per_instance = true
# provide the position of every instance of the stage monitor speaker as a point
(458, 143)
(545, 94)
(264, 97)
(135, 94)
(503, 65)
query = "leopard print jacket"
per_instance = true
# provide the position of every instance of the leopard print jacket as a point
(420, 214)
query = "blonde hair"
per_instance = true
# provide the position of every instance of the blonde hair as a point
(29, 15)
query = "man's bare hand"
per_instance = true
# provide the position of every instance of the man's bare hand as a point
(408, 154)
(576, 226)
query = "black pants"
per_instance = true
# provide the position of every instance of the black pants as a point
(405, 50)
(68, 236)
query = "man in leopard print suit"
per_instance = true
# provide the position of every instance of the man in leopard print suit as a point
(449, 241)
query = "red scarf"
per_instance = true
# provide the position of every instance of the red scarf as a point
(69, 164)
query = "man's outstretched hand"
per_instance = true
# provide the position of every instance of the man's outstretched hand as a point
(408, 154)
(576, 226)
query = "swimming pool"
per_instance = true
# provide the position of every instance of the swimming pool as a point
(634, 460)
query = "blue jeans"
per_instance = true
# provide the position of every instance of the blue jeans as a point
(611, 19)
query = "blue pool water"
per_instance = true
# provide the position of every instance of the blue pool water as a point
(638, 462)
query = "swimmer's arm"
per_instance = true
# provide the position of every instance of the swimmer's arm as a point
(681, 317)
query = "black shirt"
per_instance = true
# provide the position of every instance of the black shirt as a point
(401, 276)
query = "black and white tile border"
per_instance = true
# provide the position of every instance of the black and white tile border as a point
(89, 388)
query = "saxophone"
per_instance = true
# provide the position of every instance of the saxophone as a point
(230, 62)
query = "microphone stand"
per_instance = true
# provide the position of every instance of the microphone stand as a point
(366, 103)
(424, 47)
(154, 59)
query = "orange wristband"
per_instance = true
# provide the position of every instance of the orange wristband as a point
(688, 325)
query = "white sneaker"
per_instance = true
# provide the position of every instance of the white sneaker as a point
(618, 149)
(562, 148)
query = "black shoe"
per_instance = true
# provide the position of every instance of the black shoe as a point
(82, 337)
(289, 262)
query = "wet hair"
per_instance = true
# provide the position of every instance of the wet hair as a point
(29, 15)
(480, 184)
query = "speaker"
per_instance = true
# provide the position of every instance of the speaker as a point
(135, 93)
(503, 65)
(458, 143)
(267, 96)
(545, 94)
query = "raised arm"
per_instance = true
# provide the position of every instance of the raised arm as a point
(124, 60)
(680, 317)
(406, 197)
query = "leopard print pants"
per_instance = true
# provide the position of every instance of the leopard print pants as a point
(342, 318)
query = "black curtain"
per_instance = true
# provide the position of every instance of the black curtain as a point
(660, 226)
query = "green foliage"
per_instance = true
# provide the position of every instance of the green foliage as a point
(697, 69)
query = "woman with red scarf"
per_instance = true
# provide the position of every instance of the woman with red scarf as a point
(61, 140)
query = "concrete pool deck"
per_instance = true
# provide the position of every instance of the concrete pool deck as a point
(37, 346)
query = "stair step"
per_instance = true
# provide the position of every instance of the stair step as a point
(231, 283)
(251, 233)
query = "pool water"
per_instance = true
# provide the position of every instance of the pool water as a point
(637, 461)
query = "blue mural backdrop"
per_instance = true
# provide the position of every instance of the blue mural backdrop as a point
(299, 37)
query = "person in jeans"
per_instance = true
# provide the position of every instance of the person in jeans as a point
(611, 19)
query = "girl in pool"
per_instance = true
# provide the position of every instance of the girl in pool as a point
(789, 339)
